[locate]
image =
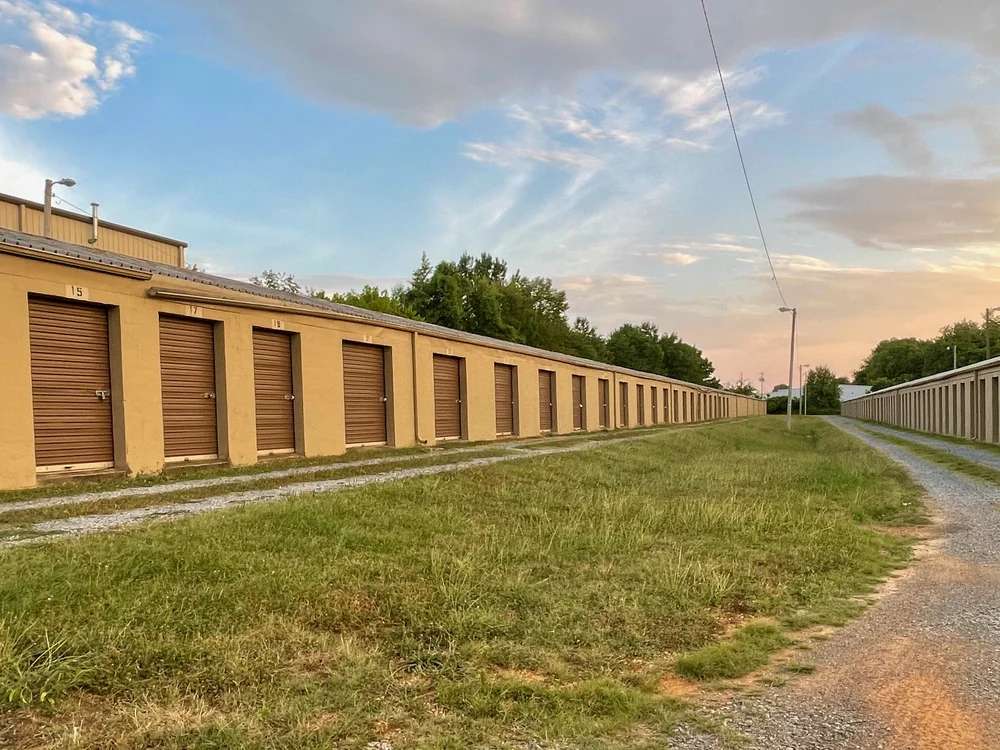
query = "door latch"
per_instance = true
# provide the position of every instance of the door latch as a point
(289, 397)
(103, 395)
(209, 395)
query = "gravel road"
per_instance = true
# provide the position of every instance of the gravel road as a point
(968, 452)
(921, 669)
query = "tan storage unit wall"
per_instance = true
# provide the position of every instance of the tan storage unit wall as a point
(70, 385)
(546, 399)
(604, 396)
(187, 380)
(274, 391)
(504, 397)
(447, 397)
(579, 403)
(365, 400)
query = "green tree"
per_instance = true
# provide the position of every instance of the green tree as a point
(583, 340)
(371, 298)
(636, 347)
(686, 362)
(277, 280)
(822, 392)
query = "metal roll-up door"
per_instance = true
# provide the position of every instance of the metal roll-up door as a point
(623, 405)
(545, 400)
(578, 403)
(447, 397)
(604, 392)
(503, 377)
(274, 391)
(70, 385)
(365, 398)
(187, 376)
(653, 404)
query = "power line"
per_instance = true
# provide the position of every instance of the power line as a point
(739, 150)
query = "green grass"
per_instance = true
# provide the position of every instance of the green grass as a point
(15, 517)
(538, 600)
(942, 458)
(748, 649)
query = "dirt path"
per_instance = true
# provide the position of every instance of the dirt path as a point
(921, 669)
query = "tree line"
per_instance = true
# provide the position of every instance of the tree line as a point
(896, 361)
(479, 295)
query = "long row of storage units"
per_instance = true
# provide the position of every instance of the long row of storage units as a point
(962, 403)
(118, 363)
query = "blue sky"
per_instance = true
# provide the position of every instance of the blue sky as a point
(576, 140)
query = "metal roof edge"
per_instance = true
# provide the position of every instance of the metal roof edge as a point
(357, 314)
(936, 377)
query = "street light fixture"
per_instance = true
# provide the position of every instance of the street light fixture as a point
(47, 211)
(791, 361)
(954, 356)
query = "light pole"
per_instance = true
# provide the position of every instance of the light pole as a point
(954, 356)
(47, 211)
(986, 327)
(791, 361)
(802, 390)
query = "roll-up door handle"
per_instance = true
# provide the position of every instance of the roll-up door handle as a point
(103, 395)
(209, 395)
(289, 397)
(384, 400)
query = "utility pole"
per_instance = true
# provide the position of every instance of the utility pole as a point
(802, 390)
(791, 361)
(47, 205)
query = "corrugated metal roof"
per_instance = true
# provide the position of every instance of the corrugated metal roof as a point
(946, 375)
(59, 248)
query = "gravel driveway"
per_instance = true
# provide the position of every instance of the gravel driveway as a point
(921, 669)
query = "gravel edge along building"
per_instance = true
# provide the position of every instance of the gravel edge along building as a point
(117, 363)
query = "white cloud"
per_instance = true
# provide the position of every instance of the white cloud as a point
(678, 259)
(889, 212)
(492, 153)
(425, 61)
(54, 61)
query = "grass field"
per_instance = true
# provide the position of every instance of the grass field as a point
(542, 601)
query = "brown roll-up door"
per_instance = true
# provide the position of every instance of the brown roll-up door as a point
(70, 384)
(624, 404)
(653, 405)
(578, 402)
(187, 376)
(447, 397)
(545, 400)
(640, 405)
(364, 394)
(604, 391)
(503, 377)
(274, 391)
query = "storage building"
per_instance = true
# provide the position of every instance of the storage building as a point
(116, 362)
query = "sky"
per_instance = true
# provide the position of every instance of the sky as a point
(581, 140)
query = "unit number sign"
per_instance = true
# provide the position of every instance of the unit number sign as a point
(77, 292)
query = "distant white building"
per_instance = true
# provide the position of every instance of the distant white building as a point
(847, 392)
